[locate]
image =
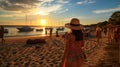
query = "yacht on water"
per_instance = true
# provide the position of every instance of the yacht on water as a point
(25, 28)
(39, 29)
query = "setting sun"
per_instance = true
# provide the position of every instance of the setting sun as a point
(43, 22)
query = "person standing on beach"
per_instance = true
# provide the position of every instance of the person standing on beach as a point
(110, 32)
(51, 29)
(2, 34)
(73, 54)
(117, 34)
(45, 31)
(98, 34)
(57, 33)
(105, 31)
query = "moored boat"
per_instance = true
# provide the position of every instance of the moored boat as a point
(39, 29)
(25, 28)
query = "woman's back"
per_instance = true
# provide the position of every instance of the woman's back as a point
(73, 43)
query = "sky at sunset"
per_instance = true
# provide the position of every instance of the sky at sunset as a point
(55, 12)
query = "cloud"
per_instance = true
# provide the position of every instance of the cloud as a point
(86, 2)
(17, 5)
(80, 3)
(41, 7)
(63, 10)
(63, 1)
(50, 9)
(106, 10)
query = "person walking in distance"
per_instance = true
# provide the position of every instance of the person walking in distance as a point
(98, 34)
(51, 29)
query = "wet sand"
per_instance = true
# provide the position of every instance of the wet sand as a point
(16, 53)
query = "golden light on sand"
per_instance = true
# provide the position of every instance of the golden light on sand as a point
(43, 22)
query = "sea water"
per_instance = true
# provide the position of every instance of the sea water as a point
(14, 32)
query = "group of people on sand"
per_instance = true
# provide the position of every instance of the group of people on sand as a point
(110, 31)
(113, 33)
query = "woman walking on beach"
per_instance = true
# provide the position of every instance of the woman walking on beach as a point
(110, 32)
(74, 42)
(98, 34)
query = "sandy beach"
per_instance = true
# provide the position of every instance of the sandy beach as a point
(16, 53)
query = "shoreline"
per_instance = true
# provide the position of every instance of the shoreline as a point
(13, 32)
(23, 39)
(41, 35)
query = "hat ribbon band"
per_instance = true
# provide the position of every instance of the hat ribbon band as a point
(75, 24)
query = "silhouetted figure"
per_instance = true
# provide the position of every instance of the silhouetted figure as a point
(57, 33)
(2, 34)
(51, 29)
(45, 31)
(105, 31)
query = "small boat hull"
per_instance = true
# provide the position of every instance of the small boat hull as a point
(39, 29)
(25, 29)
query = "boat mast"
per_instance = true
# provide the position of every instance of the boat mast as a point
(26, 20)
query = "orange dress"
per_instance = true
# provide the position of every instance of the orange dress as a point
(73, 53)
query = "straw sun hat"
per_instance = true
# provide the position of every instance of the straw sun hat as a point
(74, 24)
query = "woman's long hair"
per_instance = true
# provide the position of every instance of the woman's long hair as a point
(78, 34)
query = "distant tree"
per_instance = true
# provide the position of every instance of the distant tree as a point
(102, 24)
(93, 24)
(115, 18)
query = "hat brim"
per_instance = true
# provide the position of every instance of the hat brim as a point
(67, 25)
